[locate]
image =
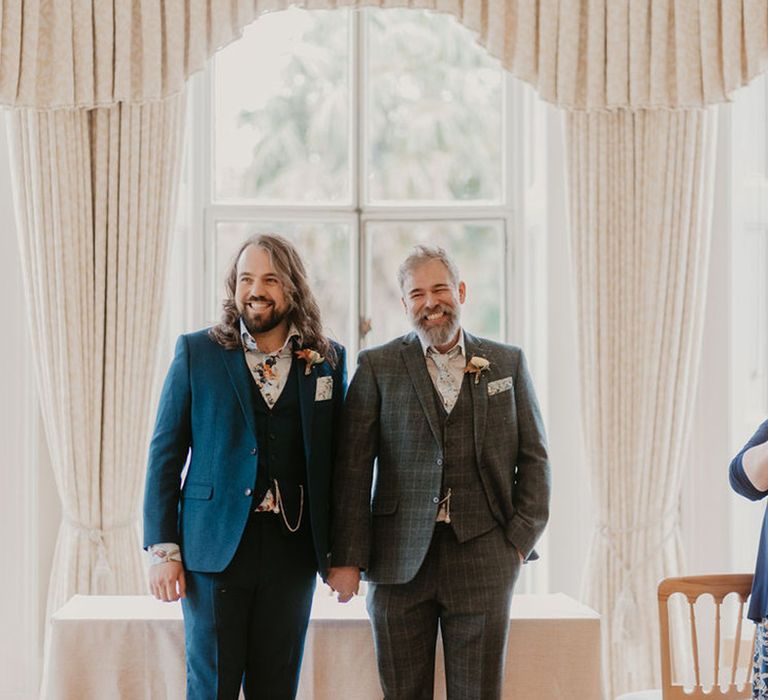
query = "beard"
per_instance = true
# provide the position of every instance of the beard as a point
(437, 335)
(264, 321)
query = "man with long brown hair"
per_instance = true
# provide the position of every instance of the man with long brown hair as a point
(252, 407)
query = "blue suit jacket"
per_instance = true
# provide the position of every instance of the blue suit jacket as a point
(758, 602)
(206, 419)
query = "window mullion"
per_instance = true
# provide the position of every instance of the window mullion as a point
(360, 195)
(357, 106)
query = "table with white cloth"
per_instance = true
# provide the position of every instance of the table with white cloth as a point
(132, 648)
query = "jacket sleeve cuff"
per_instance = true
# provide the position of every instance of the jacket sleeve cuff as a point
(518, 534)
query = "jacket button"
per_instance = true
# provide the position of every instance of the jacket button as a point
(248, 492)
(253, 450)
(435, 500)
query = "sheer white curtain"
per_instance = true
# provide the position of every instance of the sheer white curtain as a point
(95, 192)
(640, 198)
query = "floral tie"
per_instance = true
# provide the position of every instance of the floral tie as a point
(444, 382)
(266, 376)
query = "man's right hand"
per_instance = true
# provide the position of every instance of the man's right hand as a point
(345, 580)
(166, 581)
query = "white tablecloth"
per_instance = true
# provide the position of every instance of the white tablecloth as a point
(113, 647)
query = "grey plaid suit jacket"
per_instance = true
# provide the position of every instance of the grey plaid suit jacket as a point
(387, 479)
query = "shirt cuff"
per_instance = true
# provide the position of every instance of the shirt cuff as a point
(163, 552)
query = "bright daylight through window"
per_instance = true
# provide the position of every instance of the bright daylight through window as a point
(358, 134)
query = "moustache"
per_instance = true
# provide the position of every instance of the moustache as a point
(447, 310)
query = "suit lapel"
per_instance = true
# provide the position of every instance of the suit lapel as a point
(307, 386)
(240, 376)
(479, 391)
(413, 356)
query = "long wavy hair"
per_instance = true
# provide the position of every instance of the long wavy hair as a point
(303, 311)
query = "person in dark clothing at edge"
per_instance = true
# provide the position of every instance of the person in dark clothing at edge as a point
(749, 477)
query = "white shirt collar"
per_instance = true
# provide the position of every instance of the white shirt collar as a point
(459, 342)
(249, 342)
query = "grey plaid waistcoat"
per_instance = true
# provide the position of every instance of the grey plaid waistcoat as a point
(471, 515)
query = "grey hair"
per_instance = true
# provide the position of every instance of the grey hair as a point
(421, 254)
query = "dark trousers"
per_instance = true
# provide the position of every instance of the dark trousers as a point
(466, 588)
(247, 624)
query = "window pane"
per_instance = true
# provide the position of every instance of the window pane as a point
(477, 248)
(434, 110)
(282, 110)
(327, 253)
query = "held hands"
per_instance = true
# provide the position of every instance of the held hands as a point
(166, 581)
(345, 580)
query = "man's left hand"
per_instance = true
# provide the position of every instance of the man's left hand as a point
(345, 580)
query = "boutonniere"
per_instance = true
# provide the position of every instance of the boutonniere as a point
(476, 366)
(311, 357)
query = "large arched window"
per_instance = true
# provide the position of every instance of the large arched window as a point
(358, 134)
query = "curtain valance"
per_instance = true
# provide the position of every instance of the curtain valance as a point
(582, 54)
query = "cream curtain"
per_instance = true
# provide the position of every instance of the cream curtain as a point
(640, 186)
(588, 54)
(95, 193)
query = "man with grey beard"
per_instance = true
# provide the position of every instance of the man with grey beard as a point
(460, 490)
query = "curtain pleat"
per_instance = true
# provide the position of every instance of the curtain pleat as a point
(640, 192)
(95, 197)
(591, 54)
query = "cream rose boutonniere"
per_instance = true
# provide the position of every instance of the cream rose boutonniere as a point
(311, 357)
(476, 366)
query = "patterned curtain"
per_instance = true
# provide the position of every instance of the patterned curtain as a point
(640, 195)
(591, 54)
(95, 199)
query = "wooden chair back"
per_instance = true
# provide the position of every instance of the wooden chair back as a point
(692, 587)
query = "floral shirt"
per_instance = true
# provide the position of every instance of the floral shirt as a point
(269, 370)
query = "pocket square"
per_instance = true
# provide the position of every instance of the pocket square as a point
(324, 388)
(496, 387)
